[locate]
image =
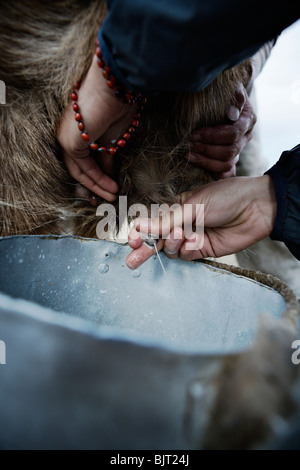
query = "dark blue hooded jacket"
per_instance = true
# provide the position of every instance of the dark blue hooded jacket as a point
(182, 45)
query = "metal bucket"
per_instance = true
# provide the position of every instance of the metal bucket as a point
(101, 357)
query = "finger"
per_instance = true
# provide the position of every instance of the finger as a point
(215, 166)
(246, 121)
(137, 257)
(199, 153)
(106, 164)
(134, 238)
(206, 245)
(88, 182)
(192, 248)
(161, 226)
(236, 109)
(221, 153)
(151, 226)
(90, 168)
(226, 134)
(186, 215)
(223, 134)
(86, 171)
(234, 113)
(174, 243)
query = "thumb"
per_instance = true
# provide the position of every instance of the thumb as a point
(237, 107)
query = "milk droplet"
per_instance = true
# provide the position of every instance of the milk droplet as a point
(103, 268)
(136, 273)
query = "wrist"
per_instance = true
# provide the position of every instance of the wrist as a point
(110, 59)
(101, 90)
(263, 205)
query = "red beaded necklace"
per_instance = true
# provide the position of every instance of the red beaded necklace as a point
(127, 96)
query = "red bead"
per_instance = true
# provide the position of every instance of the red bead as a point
(101, 64)
(121, 143)
(105, 74)
(78, 117)
(94, 146)
(131, 129)
(77, 85)
(81, 126)
(112, 150)
(111, 82)
(137, 115)
(135, 123)
(74, 96)
(97, 42)
(107, 69)
(102, 150)
(75, 107)
(85, 136)
(98, 52)
(126, 136)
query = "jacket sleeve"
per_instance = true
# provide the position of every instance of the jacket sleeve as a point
(182, 45)
(286, 179)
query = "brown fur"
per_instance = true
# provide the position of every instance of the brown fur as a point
(46, 47)
(253, 391)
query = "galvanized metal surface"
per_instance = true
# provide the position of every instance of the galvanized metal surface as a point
(192, 308)
(102, 357)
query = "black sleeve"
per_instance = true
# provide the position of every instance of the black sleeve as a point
(157, 45)
(286, 178)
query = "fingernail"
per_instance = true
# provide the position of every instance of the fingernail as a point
(133, 260)
(170, 252)
(234, 113)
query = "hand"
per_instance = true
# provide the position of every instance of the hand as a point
(105, 117)
(237, 213)
(217, 148)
